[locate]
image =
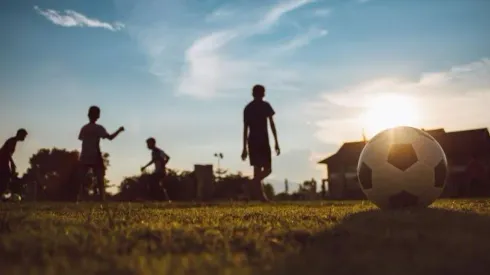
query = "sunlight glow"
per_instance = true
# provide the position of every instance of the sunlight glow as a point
(389, 110)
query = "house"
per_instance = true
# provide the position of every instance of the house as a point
(467, 152)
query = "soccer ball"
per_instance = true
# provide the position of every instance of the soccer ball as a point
(402, 167)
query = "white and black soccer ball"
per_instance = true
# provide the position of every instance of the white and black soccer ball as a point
(402, 167)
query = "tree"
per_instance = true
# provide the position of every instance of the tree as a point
(134, 188)
(178, 184)
(181, 186)
(54, 174)
(269, 190)
(286, 186)
(309, 186)
(231, 186)
(49, 171)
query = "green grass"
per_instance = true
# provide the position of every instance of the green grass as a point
(451, 237)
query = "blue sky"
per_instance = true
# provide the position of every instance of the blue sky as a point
(182, 71)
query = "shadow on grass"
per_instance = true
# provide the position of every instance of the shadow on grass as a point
(421, 241)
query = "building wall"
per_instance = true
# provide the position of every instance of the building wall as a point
(336, 185)
(343, 182)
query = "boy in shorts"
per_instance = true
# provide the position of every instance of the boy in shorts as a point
(256, 137)
(160, 159)
(7, 165)
(91, 155)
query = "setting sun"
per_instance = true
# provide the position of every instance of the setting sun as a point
(389, 110)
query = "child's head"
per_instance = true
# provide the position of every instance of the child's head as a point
(151, 143)
(21, 134)
(258, 92)
(93, 113)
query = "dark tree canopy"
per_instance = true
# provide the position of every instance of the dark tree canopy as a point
(52, 174)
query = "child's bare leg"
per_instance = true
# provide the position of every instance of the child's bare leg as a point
(163, 187)
(82, 171)
(100, 175)
(254, 186)
(265, 172)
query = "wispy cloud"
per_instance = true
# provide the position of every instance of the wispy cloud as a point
(279, 10)
(210, 70)
(74, 19)
(465, 88)
(322, 12)
(304, 39)
(215, 53)
(206, 69)
(219, 14)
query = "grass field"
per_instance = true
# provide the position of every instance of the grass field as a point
(451, 237)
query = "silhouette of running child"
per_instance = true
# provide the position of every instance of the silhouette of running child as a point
(91, 155)
(256, 137)
(7, 164)
(160, 159)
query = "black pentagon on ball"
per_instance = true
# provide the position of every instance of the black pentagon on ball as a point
(402, 156)
(403, 199)
(365, 176)
(440, 173)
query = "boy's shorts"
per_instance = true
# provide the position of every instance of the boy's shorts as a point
(260, 154)
(97, 166)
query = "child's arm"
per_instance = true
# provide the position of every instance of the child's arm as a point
(273, 128)
(166, 158)
(112, 136)
(149, 163)
(81, 134)
(245, 136)
(274, 131)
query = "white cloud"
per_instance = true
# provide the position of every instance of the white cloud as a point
(455, 99)
(303, 39)
(206, 68)
(209, 70)
(275, 13)
(215, 54)
(75, 19)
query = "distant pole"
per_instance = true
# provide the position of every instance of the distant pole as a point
(219, 156)
(364, 136)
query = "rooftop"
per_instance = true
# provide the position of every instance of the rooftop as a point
(457, 143)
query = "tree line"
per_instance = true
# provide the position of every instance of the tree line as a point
(52, 176)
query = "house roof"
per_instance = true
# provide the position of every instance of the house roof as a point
(435, 132)
(472, 142)
(349, 151)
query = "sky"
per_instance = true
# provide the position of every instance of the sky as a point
(182, 72)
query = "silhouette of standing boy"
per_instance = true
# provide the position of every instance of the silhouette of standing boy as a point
(256, 137)
(91, 155)
(160, 159)
(7, 165)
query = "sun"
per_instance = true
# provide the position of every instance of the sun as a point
(389, 110)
